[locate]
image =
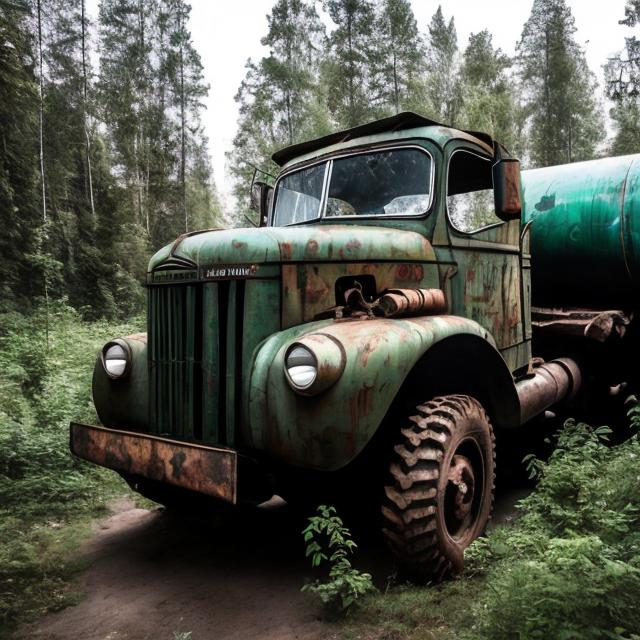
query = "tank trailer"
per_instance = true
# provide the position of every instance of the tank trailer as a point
(371, 339)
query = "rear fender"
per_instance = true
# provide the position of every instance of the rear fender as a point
(328, 430)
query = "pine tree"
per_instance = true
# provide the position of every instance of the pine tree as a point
(564, 120)
(152, 89)
(443, 91)
(181, 72)
(400, 58)
(626, 118)
(126, 85)
(19, 183)
(349, 70)
(489, 103)
(622, 74)
(280, 102)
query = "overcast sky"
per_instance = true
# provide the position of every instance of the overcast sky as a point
(227, 32)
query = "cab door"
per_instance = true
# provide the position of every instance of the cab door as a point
(486, 284)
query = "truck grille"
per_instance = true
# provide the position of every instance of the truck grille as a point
(195, 352)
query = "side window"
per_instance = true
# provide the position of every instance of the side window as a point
(470, 192)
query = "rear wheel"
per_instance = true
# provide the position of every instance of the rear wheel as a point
(440, 492)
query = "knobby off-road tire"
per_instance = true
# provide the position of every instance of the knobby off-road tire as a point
(440, 492)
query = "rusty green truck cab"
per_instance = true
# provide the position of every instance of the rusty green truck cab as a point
(232, 312)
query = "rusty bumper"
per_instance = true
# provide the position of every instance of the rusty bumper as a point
(208, 470)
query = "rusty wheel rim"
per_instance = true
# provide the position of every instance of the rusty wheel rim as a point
(463, 492)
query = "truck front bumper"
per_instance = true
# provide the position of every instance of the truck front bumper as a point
(208, 470)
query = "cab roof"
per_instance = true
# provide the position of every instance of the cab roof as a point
(398, 122)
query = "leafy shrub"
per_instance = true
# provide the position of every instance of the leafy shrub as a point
(567, 568)
(328, 540)
(45, 382)
(570, 566)
(46, 363)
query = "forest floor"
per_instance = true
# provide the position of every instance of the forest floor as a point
(155, 576)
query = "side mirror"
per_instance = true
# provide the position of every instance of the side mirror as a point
(261, 196)
(506, 189)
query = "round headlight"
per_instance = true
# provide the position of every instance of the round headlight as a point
(301, 367)
(115, 360)
(314, 363)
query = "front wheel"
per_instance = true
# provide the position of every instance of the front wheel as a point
(440, 492)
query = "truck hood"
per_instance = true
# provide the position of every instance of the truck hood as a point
(319, 243)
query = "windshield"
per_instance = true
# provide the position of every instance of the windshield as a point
(381, 183)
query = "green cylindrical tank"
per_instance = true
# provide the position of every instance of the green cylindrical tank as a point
(585, 236)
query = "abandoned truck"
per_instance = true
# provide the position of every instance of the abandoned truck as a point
(367, 342)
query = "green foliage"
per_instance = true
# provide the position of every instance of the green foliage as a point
(18, 126)
(443, 88)
(632, 405)
(45, 382)
(399, 59)
(125, 166)
(564, 120)
(623, 70)
(329, 541)
(489, 101)
(626, 118)
(622, 75)
(568, 567)
(280, 99)
(351, 61)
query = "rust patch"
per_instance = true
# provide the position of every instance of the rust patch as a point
(316, 288)
(208, 470)
(286, 250)
(360, 404)
(414, 272)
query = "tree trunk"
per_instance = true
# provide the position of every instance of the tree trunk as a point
(43, 239)
(351, 122)
(396, 92)
(84, 109)
(41, 112)
(183, 149)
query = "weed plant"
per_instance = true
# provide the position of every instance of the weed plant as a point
(329, 542)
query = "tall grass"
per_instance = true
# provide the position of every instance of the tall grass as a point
(46, 363)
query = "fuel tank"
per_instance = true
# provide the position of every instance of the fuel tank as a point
(585, 233)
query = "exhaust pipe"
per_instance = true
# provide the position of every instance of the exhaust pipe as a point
(550, 383)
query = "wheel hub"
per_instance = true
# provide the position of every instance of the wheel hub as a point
(461, 484)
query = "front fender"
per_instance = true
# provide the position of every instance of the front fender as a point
(327, 431)
(124, 403)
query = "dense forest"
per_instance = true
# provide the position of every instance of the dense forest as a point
(104, 158)
(101, 164)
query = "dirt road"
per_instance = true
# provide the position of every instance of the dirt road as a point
(229, 577)
(224, 578)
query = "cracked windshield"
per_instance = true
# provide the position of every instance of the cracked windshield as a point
(393, 183)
